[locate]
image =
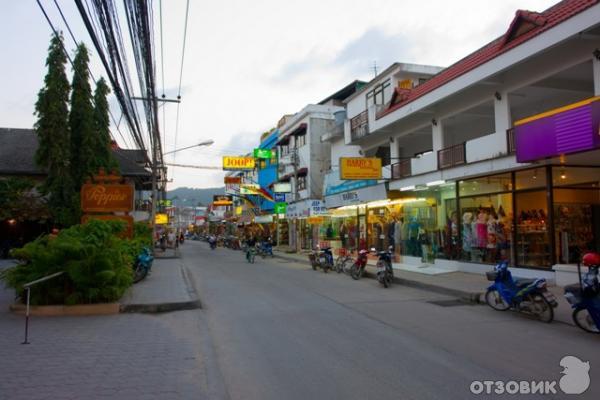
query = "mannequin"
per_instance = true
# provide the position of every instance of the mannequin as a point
(467, 232)
(398, 234)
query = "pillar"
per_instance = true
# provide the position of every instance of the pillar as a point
(596, 70)
(502, 119)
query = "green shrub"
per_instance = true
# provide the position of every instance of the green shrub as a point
(98, 264)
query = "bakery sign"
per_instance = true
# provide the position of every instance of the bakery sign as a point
(106, 197)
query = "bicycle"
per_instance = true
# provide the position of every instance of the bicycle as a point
(343, 263)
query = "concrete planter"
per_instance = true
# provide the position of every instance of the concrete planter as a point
(63, 311)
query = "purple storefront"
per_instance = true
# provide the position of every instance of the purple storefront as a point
(556, 200)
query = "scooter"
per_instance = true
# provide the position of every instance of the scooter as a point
(321, 258)
(385, 273)
(584, 296)
(265, 249)
(530, 296)
(142, 265)
(212, 241)
(358, 268)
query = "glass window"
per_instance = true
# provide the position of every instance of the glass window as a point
(487, 184)
(532, 233)
(576, 223)
(576, 176)
(486, 228)
(530, 178)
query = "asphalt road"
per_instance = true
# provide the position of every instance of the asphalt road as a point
(278, 330)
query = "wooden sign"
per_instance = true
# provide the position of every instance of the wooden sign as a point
(106, 197)
(128, 219)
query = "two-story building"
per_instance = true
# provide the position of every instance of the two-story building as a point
(496, 157)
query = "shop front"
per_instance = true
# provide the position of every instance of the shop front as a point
(302, 234)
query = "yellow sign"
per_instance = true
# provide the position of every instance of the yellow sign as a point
(161, 219)
(360, 168)
(238, 163)
(239, 210)
(315, 220)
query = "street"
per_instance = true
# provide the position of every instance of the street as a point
(278, 330)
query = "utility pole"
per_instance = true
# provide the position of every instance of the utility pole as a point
(295, 196)
(374, 68)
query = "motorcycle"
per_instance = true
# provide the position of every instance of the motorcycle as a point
(358, 268)
(530, 296)
(385, 273)
(321, 258)
(212, 241)
(142, 265)
(251, 254)
(265, 249)
(584, 297)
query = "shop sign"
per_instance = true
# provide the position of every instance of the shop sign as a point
(128, 219)
(263, 219)
(233, 180)
(161, 219)
(280, 208)
(363, 195)
(334, 185)
(233, 163)
(166, 203)
(106, 197)
(222, 200)
(249, 188)
(360, 168)
(315, 220)
(239, 210)
(317, 207)
(279, 197)
(263, 153)
(282, 187)
(350, 197)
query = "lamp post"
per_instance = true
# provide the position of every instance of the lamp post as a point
(204, 143)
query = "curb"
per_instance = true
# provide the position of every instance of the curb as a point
(470, 297)
(156, 308)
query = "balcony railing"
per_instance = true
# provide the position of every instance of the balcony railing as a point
(402, 169)
(510, 141)
(359, 125)
(452, 156)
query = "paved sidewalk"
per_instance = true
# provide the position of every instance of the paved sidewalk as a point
(463, 285)
(168, 287)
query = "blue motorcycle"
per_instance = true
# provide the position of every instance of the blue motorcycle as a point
(142, 265)
(584, 296)
(530, 296)
(265, 249)
(321, 258)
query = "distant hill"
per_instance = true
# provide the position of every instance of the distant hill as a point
(190, 197)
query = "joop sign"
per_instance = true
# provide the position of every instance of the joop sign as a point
(106, 197)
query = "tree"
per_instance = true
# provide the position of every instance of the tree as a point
(52, 128)
(81, 121)
(20, 200)
(104, 158)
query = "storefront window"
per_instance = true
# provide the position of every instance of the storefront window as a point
(576, 177)
(487, 184)
(532, 233)
(576, 223)
(530, 178)
(486, 227)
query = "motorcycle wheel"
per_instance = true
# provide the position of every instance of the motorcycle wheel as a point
(583, 319)
(495, 300)
(383, 279)
(542, 308)
(139, 273)
(339, 265)
(252, 258)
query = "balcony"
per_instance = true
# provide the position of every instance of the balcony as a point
(402, 169)
(452, 156)
(359, 125)
(510, 141)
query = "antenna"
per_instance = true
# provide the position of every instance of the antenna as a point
(374, 68)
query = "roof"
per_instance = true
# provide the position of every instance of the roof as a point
(525, 26)
(18, 147)
(345, 92)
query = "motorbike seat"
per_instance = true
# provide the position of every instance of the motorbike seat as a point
(523, 282)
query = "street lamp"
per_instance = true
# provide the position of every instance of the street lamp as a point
(205, 143)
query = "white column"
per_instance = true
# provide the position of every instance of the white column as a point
(437, 135)
(394, 150)
(502, 119)
(596, 66)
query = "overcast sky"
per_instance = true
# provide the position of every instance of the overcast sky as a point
(247, 63)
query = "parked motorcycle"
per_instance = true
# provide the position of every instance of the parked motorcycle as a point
(385, 272)
(530, 296)
(321, 258)
(142, 265)
(358, 268)
(584, 296)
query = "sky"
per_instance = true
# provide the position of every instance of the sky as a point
(248, 63)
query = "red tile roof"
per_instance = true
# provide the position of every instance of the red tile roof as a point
(540, 22)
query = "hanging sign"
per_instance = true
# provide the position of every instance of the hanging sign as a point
(315, 220)
(263, 153)
(360, 168)
(234, 163)
(280, 208)
(233, 180)
(161, 219)
(279, 197)
(222, 200)
(282, 187)
(249, 188)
